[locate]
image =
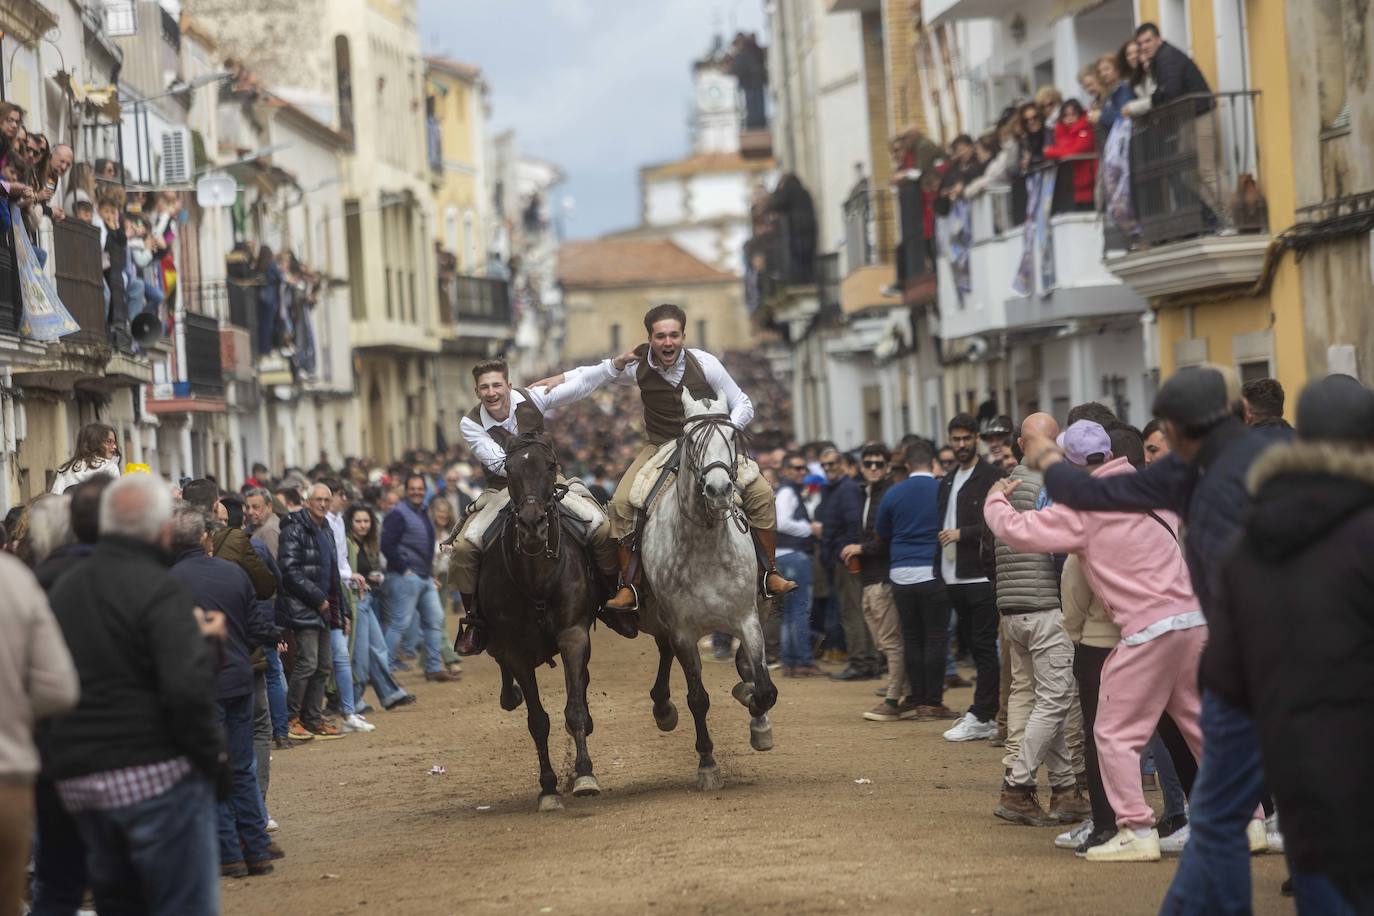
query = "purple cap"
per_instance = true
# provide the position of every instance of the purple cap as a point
(1083, 439)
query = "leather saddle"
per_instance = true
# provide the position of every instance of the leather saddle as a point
(572, 525)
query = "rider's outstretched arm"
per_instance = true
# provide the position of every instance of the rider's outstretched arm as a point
(573, 385)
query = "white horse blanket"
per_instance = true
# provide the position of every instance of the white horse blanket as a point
(577, 501)
(746, 472)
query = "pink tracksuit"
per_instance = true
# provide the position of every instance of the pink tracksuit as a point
(1136, 567)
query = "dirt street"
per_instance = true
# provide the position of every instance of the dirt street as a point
(843, 815)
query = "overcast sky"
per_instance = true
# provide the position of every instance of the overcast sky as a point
(599, 87)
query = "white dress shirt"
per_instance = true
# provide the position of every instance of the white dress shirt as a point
(577, 384)
(736, 401)
(785, 505)
(336, 525)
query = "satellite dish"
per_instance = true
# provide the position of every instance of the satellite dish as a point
(216, 191)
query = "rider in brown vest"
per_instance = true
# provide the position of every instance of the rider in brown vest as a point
(662, 368)
(503, 413)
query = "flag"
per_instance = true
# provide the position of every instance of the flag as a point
(45, 317)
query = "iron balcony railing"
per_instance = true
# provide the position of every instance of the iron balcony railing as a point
(80, 283)
(204, 365)
(860, 243)
(1194, 163)
(210, 299)
(485, 299)
(11, 304)
(780, 259)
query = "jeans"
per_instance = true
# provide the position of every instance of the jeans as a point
(343, 670)
(796, 610)
(975, 603)
(1169, 784)
(408, 595)
(951, 669)
(242, 820)
(1213, 875)
(262, 732)
(924, 612)
(369, 655)
(1320, 895)
(305, 692)
(276, 692)
(158, 856)
(59, 857)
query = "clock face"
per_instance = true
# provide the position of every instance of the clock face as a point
(713, 97)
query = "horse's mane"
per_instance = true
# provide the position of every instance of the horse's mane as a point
(538, 438)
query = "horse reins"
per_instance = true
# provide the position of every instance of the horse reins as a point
(698, 433)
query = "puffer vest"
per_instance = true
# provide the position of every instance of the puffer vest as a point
(528, 419)
(664, 414)
(1025, 581)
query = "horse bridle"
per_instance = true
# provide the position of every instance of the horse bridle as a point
(697, 434)
(553, 543)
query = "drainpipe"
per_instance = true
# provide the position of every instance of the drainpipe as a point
(10, 451)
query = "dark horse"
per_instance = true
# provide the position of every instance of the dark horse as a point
(539, 588)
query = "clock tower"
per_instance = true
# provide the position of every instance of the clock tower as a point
(715, 104)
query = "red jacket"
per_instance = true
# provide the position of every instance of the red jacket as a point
(1076, 140)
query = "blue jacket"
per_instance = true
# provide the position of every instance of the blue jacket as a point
(1209, 494)
(909, 521)
(841, 516)
(1111, 109)
(218, 585)
(408, 540)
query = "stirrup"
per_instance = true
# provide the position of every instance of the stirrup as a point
(606, 605)
(470, 624)
(763, 583)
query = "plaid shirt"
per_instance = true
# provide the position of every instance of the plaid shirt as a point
(121, 788)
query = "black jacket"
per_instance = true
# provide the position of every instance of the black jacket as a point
(873, 558)
(308, 577)
(1176, 75)
(147, 675)
(219, 585)
(839, 513)
(59, 561)
(1292, 635)
(968, 562)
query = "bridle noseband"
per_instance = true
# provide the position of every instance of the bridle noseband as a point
(697, 434)
(553, 542)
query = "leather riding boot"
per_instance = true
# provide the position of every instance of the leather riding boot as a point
(472, 637)
(626, 596)
(773, 582)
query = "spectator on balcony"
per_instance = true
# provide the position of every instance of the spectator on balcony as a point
(1116, 84)
(97, 454)
(269, 275)
(1175, 74)
(11, 123)
(795, 210)
(1073, 137)
(1049, 100)
(1092, 87)
(748, 63)
(1005, 163)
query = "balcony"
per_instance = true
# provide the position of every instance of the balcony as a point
(474, 307)
(204, 368)
(1199, 220)
(982, 284)
(869, 271)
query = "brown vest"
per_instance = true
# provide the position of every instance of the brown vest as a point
(663, 411)
(528, 419)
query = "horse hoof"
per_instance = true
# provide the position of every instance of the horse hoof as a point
(708, 779)
(761, 734)
(585, 786)
(668, 721)
(512, 699)
(743, 693)
(550, 803)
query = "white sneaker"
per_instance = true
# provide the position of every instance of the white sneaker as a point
(271, 825)
(1127, 847)
(1272, 833)
(1258, 836)
(356, 723)
(970, 729)
(1172, 845)
(1070, 839)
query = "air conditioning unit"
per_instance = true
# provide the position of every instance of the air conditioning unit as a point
(178, 160)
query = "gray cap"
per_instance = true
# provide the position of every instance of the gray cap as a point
(1336, 408)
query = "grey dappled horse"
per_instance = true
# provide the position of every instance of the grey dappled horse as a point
(701, 570)
(540, 591)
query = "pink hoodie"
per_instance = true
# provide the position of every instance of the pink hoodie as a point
(1133, 564)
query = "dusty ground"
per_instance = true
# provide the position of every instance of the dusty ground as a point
(367, 829)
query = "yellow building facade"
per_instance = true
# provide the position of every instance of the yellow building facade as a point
(1253, 324)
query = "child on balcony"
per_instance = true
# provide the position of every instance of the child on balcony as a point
(1073, 136)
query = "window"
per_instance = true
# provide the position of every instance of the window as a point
(389, 307)
(451, 230)
(470, 242)
(701, 334)
(1253, 371)
(343, 70)
(615, 338)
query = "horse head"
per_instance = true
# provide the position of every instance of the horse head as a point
(710, 441)
(531, 473)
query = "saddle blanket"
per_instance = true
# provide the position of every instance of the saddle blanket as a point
(747, 471)
(578, 506)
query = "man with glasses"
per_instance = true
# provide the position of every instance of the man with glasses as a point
(944, 461)
(841, 516)
(880, 612)
(961, 569)
(797, 535)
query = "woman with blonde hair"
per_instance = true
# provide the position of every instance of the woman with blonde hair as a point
(97, 452)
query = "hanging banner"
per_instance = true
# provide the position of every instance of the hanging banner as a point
(45, 317)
